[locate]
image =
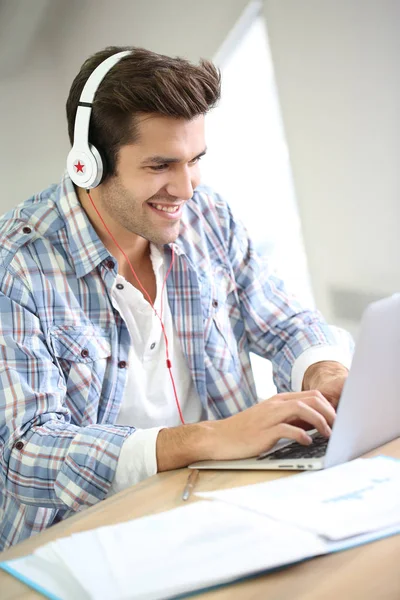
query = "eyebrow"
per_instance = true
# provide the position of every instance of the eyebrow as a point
(165, 160)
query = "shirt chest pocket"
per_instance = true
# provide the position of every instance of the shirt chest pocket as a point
(218, 307)
(83, 355)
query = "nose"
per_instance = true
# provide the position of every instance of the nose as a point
(182, 183)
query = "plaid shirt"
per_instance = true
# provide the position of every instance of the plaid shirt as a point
(64, 346)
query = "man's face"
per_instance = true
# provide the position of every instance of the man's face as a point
(155, 177)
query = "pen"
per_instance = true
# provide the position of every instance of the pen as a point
(191, 482)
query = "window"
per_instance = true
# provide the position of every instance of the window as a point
(248, 161)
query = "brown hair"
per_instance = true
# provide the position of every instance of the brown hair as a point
(142, 82)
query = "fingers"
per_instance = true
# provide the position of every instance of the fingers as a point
(285, 430)
(332, 391)
(321, 405)
(307, 410)
(302, 395)
(313, 398)
(259, 427)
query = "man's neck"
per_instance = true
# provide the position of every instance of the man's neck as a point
(143, 268)
(135, 248)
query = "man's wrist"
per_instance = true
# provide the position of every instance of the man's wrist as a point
(178, 447)
(321, 371)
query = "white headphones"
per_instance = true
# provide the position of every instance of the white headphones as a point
(84, 163)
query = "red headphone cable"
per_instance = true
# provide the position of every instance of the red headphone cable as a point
(168, 361)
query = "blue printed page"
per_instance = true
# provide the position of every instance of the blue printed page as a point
(355, 498)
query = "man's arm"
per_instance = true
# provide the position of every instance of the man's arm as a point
(278, 327)
(45, 459)
(247, 433)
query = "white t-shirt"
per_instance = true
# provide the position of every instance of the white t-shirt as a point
(149, 403)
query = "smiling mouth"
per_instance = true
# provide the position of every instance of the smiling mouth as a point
(167, 209)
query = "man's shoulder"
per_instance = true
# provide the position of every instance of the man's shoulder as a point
(35, 217)
(207, 208)
(205, 228)
(204, 195)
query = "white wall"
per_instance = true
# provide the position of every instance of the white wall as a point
(337, 69)
(32, 142)
(336, 64)
(34, 85)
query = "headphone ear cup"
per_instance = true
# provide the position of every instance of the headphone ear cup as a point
(98, 172)
(83, 167)
(101, 159)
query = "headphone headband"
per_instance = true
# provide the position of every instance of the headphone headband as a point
(84, 163)
(98, 75)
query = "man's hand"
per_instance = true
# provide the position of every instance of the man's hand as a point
(328, 377)
(258, 428)
(247, 433)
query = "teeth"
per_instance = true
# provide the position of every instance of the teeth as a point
(168, 209)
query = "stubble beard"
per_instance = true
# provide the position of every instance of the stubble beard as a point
(122, 206)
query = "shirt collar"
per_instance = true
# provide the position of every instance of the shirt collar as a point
(86, 249)
(178, 247)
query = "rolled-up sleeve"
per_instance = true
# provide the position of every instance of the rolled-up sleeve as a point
(138, 459)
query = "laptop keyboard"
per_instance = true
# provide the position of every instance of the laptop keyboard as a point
(296, 450)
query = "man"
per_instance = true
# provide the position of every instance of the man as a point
(128, 309)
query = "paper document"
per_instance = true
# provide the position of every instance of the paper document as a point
(347, 500)
(160, 556)
(214, 542)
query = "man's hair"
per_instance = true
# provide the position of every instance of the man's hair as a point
(142, 82)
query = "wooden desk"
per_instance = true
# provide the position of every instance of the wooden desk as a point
(369, 572)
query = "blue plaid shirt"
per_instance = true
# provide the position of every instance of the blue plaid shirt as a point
(64, 346)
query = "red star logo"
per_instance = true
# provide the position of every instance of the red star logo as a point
(79, 167)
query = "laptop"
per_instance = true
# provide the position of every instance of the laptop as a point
(368, 414)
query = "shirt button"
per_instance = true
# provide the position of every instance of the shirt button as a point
(85, 353)
(110, 264)
(153, 346)
(19, 445)
(215, 303)
(120, 286)
(122, 364)
(27, 230)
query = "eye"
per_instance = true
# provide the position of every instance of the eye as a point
(158, 168)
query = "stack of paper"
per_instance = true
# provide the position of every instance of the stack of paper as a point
(355, 498)
(241, 532)
(189, 548)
